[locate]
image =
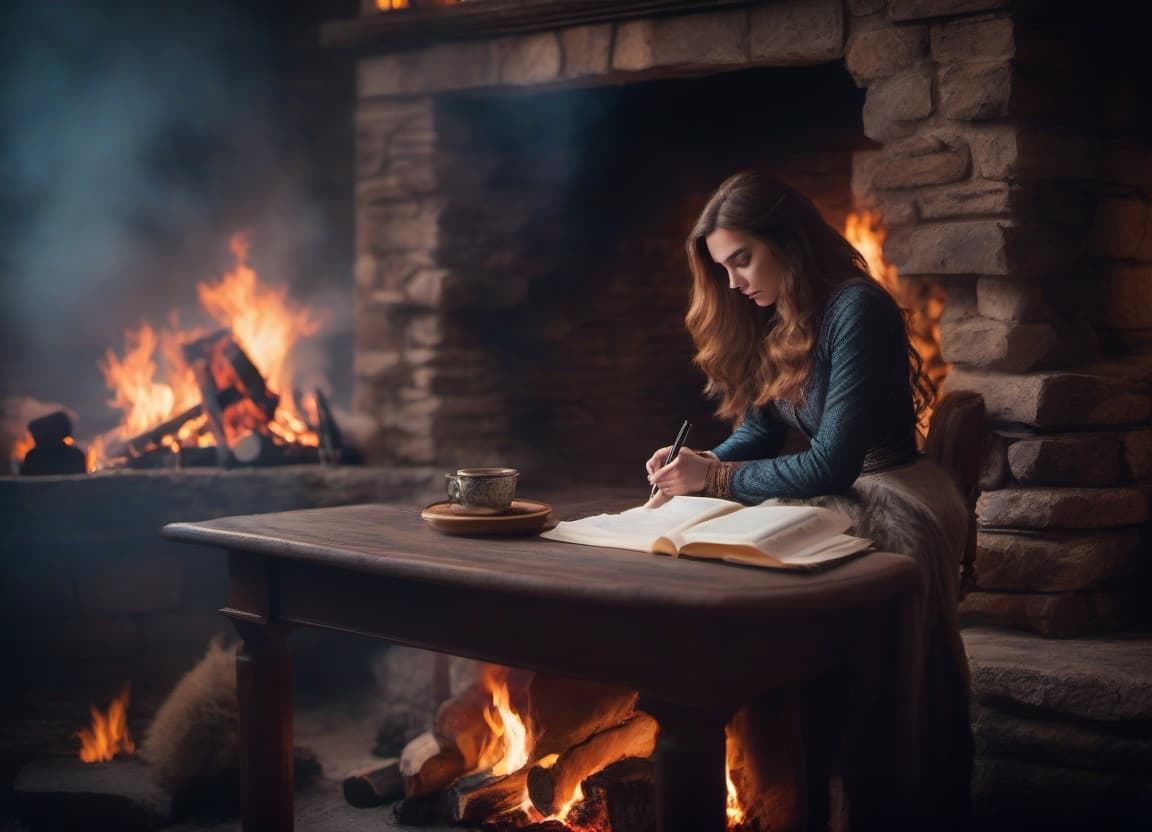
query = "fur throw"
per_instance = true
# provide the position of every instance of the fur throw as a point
(193, 742)
(917, 510)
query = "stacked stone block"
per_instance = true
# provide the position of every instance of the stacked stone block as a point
(997, 185)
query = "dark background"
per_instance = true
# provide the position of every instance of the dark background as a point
(135, 138)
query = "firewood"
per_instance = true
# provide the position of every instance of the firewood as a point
(565, 711)
(460, 723)
(628, 788)
(553, 786)
(250, 378)
(142, 442)
(426, 768)
(374, 784)
(331, 442)
(476, 798)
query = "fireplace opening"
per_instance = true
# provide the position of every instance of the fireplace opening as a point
(554, 339)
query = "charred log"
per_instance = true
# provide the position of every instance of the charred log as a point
(426, 768)
(550, 787)
(477, 798)
(143, 442)
(374, 785)
(54, 453)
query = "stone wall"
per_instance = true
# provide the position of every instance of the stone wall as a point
(1009, 171)
(92, 597)
(1007, 177)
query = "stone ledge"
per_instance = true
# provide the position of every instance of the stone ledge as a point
(1106, 679)
(1064, 508)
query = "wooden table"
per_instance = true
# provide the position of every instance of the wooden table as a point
(696, 638)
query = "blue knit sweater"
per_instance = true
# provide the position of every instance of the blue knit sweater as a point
(857, 411)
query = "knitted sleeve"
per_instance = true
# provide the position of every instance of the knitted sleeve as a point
(863, 336)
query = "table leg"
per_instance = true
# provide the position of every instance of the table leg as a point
(264, 692)
(691, 789)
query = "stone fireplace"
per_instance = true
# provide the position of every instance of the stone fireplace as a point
(526, 178)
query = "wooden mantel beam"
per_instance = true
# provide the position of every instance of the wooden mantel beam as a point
(402, 29)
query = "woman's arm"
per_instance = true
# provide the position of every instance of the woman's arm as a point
(868, 365)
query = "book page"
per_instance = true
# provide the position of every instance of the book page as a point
(640, 528)
(776, 530)
(821, 555)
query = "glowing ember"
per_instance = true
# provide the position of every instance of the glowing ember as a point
(108, 735)
(388, 5)
(263, 321)
(731, 757)
(925, 306)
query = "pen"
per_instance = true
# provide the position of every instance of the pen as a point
(676, 446)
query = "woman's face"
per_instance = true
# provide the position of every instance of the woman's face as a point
(752, 267)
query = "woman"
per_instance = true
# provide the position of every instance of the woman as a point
(792, 333)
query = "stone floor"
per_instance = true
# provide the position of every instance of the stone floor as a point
(1063, 729)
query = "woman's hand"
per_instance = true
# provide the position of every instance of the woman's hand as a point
(686, 474)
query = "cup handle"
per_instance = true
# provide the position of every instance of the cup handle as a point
(453, 488)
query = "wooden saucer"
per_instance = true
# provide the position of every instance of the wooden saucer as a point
(524, 517)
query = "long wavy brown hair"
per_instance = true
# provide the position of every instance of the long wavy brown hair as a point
(752, 355)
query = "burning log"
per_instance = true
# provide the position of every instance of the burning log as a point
(330, 439)
(141, 443)
(629, 794)
(250, 379)
(374, 785)
(426, 768)
(565, 712)
(477, 798)
(550, 787)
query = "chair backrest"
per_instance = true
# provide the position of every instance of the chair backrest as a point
(955, 441)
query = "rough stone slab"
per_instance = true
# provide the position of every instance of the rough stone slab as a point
(1130, 295)
(1054, 562)
(454, 66)
(1055, 615)
(879, 53)
(1107, 679)
(1091, 459)
(903, 97)
(653, 43)
(926, 169)
(64, 793)
(995, 150)
(1000, 734)
(962, 247)
(976, 91)
(134, 585)
(587, 50)
(1012, 300)
(1061, 508)
(385, 229)
(797, 32)
(529, 59)
(975, 198)
(994, 464)
(1057, 400)
(967, 39)
(998, 345)
(922, 9)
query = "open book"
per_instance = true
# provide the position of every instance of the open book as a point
(777, 537)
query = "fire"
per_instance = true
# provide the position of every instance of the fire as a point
(153, 382)
(108, 735)
(924, 305)
(508, 750)
(388, 5)
(23, 445)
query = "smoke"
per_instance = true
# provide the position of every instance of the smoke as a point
(137, 137)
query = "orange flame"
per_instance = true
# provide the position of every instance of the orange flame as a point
(263, 321)
(507, 750)
(923, 304)
(23, 445)
(388, 5)
(108, 735)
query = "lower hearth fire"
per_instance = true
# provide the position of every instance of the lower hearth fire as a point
(524, 751)
(203, 396)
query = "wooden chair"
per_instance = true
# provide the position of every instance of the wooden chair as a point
(955, 441)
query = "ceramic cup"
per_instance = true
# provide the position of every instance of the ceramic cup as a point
(482, 490)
